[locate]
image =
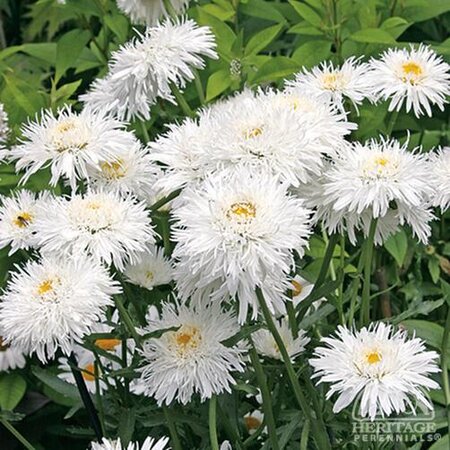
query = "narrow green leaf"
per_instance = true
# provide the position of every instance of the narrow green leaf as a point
(262, 10)
(372, 36)
(58, 385)
(127, 423)
(306, 13)
(68, 49)
(312, 53)
(261, 40)
(12, 390)
(397, 246)
(218, 82)
(278, 67)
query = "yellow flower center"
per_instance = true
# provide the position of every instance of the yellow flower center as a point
(113, 170)
(149, 275)
(187, 339)
(65, 126)
(411, 72)
(107, 344)
(332, 81)
(373, 357)
(67, 135)
(243, 211)
(23, 219)
(45, 287)
(253, 132)
(252, 423)
(298, 288)
(89, 372)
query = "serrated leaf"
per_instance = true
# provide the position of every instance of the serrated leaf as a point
(12, 390)
(372, 36)
(397, 246)
(218, 82)
(261, 40)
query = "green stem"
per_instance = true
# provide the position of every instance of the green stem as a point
(368, 256)
(145, 132)
(266, 396)
(16, 434)
(340, 300)
(444, 365)
(182, 103)
(98, 397)
(166, 235)
(318, 427)
(199, 87)
(326, 261)
(304, 436)
(176, 444)
(165, 200)
(127, 320)
(213, 423)
(293, 325)
(392, 120)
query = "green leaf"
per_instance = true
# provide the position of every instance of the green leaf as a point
(262, 39)
(55, 383)
(441, 444)
(262, 10)
(305, 29)
(420, 10)
(127, 423)
(118, 24)
(395, 26)
(68, 49)
(431, 332)
(434, 268)
(397, 246)
(278, 67)
(12, 390)
(45, 51)
(372, 36)
(312, 53)
(218, 82)
(307, 13)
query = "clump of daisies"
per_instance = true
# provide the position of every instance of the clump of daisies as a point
(235, 232)
(70, 144)
(148, 444)
(113, 229)
(67, 295)
(416, 77)
(150, 12)
(145, 68)
(379, 367)
(379, 180)
(191, 359)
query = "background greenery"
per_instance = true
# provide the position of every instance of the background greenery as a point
(49, 55)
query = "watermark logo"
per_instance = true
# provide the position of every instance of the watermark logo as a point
(415, 425)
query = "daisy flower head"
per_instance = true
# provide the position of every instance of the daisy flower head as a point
(253, 421)
(154, 269)
(181, 152)
(417, 77)
(237, 232)
(131, 172)
(191, 359)
(148, 444)
(144, 68)
(70, 143)
(113, 229)
(369, 180)
(18, 215)
(266, 346)
(263, 134)
(10, 357)
(336, 84)
(150, 12)
(440, 166)
(68, 295)
(381, 366)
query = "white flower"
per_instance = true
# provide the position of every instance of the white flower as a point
(236, 232)
(440, 169)
(253, 421)
(129, 172)
(192, 359)
(18, 215)
(226, 446)
(148, 444)
(154, 269)
(182, 153)
(264, 134)
(376, 180)
(143, 69)
(10, 357)
(149, 12)
(70, 144)
(53, 303)
(300, 289)
(417, 77)
(380, 365)
(265, 343)
(335, 84)
(114, 230)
